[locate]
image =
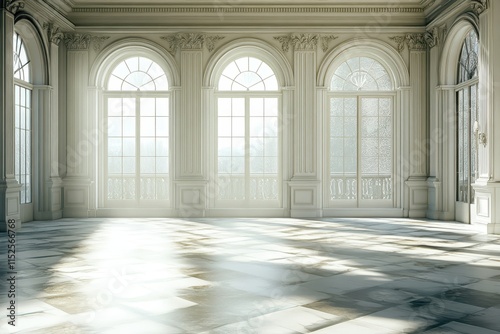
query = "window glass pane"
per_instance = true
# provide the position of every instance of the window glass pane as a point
(148, 165)
(21, 61)
(128, 126)
(148, 106)
(256, 147)
(247, 74)
(129, 147)
(115, 147)
(138, 73)
(361, 74)
(162, 107)
(162, 147)
(162, 165)
(162, 126)
(148, 147)
(224, 147)
(468, 63)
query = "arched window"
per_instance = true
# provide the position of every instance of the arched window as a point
(136, 157)
(361, 102)
(248, 151)
(23, 119)
(467, 109)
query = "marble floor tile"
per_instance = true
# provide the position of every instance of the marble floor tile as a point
(253, 276)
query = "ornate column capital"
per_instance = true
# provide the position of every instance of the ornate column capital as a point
(54, 33)
(13, 5)
(479, 6)
(191, 41)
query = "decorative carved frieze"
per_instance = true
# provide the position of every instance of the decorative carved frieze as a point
(479, 6)
(436, 35)
(285, 42)
(97, 41)
(432, 37)
(400, 42)
(416, 42)
(325, 40)
(14, 6)
(191, 41)
(304, 41)
(54, 33)
(211, 40)
(75, 41)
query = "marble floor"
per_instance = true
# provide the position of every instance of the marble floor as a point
(250, 276)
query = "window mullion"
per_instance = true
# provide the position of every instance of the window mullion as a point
(358, 149)
(247, 149)
(137, 150)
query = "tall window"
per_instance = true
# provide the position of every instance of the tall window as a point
(22, 113)
(248, 161)
(136, 166)
(467, 109)
(361, 134)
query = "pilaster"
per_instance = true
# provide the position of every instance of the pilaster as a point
(10, 207)
(417, 182)
(487, 186)
(190, 174)
(77, 181)
(48, 190)
(305, 186)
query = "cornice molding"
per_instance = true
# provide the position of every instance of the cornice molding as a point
(248, 9)
(54, 33)
(191, 41)
(13, 6)
(479, 6)
(75, 41)
(304, 42)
